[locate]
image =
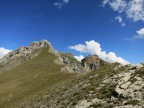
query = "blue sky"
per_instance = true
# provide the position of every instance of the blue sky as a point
(117, 25)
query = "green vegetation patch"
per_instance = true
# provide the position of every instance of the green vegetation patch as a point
(132, 102)
(107, 91)
(70, 56)
(140, 72)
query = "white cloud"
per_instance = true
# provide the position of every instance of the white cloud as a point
(134, 9)
(118, 5)
(140, 34)
(120, 20)
(61, 3)
(105, 2)
(79, 58)
(3, 52)
(65, 1)
(93, 47)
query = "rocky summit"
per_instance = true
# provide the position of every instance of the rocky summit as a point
(38, 76)
(93, 62)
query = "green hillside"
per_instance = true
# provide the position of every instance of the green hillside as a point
(33, 78)
(40, 83)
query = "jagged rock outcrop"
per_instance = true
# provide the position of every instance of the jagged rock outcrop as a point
(72, 65)
(129, 87)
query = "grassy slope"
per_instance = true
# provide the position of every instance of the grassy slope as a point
(82, 85)
(38, 76)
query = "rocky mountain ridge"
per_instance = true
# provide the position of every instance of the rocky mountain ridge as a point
(72, 65)
(22, 54)
(101, 84)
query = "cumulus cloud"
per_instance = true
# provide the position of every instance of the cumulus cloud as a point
(61, 3)
(134, 9)
(79, 58)
(140, 34)
(3, 52)
(93, 47)
(120, 20)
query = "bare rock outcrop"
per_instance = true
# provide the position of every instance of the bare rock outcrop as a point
(93, 62)
(71, 64)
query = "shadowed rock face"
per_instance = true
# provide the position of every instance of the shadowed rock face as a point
(93, 62)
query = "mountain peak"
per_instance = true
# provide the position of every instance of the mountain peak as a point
(18, 56)
(93, 62)
(42, 43)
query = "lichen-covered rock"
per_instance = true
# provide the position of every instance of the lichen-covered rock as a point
(130, 86)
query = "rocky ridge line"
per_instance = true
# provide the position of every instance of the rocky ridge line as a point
(71, 65)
